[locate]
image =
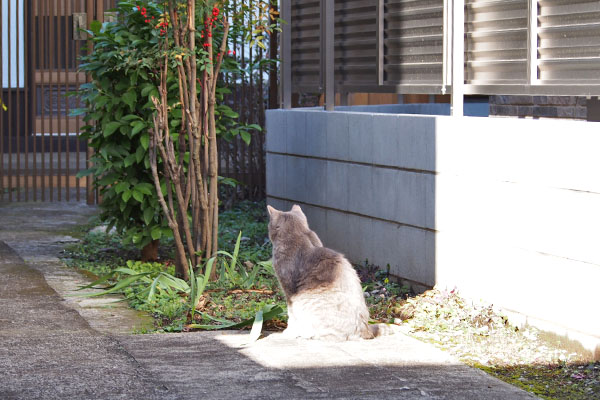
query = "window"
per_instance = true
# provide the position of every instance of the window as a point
(13, 49)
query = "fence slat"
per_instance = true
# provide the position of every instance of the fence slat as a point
(2, 112)
(10, 113)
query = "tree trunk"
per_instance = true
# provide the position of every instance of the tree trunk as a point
(150, 251)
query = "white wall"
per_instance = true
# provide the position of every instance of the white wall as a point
(506, 210)
(518, 218)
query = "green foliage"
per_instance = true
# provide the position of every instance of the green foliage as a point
(250, 218)
(124, 67)
(234, 301)
(221, 304)
(149, 287)
(235, 275)
(266, 313)
(124, 72)
(98, 253)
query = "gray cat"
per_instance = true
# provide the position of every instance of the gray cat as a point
(323, 292)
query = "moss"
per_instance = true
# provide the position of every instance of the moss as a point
(545, 381)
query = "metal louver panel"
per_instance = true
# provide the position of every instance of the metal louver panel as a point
(569, 41)
(356, 41)
(496, 41)
(306, 44)
(531, 47)
(413, 42)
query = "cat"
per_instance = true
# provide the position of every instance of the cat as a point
(323, 292)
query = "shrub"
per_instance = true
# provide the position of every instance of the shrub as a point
(123, 67)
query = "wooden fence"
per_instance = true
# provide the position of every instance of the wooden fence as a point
(40, 148)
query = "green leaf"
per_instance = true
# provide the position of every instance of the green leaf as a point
(129, 160)
(108, 179)
(130, 117)
(147, 89)
(246, 137)
(111, 127)
(95, 27)
(254, 126)
(236, 249)
(137, 127)
(145, 140)
(148, 215)
(256, 327)
(139, 196)
(228, 112)
(156, 232)
(121, 186)
(85, 172)
(76, 111)
(145, 188)
(269, 311)
(129, 98)
(100, 280)
(139, 154)
(100, 102)
(126, 196)
(123, 283)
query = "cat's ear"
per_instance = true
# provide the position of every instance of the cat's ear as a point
(273, 213)
(298, 211)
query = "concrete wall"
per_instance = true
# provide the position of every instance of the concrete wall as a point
(540, 106)
(506, 210)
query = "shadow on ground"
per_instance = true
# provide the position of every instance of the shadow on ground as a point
(49, 351)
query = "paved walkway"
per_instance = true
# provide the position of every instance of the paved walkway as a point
(57, 348)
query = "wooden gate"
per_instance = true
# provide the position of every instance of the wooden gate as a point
(40, 148)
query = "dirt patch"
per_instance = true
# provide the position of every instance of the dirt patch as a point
(480, 336)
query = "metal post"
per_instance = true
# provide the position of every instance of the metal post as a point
(286, 54)
(446, 27)
(328, 52)
(458, 58)
(90, 192)
(532, 42)
(380, 42)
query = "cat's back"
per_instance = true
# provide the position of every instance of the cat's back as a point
(322, 268)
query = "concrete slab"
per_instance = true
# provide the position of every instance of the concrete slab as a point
(49, 351)
(276, 128)
(274, 367)
(316, 134)
(337, 136)
(296, 133)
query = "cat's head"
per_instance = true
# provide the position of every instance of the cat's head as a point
(286, 225)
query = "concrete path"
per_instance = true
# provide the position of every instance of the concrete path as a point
(48, 350)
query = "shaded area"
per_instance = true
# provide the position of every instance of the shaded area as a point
(272, 368)
(49, 351)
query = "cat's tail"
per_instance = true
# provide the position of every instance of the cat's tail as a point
(383, 329)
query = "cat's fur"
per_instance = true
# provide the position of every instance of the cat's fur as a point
(323, 291)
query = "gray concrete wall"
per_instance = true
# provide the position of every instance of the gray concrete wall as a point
(506, 210)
